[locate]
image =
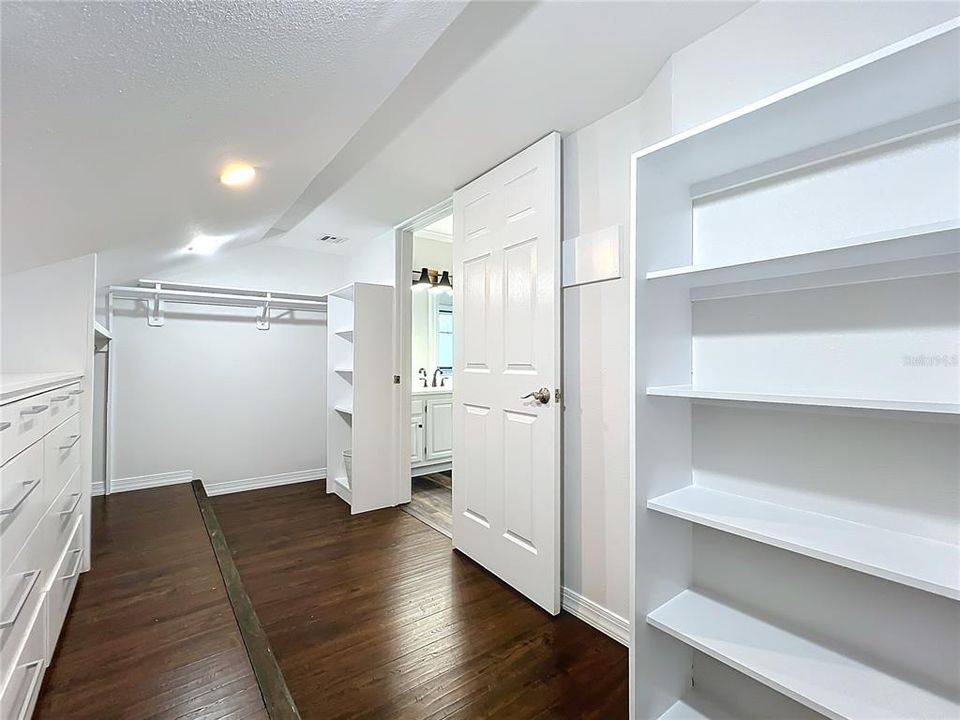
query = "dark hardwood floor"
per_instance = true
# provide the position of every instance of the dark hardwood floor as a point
(431, 501)
(374, 616)
(150, 633)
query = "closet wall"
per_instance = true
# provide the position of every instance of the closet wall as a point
(209, 395)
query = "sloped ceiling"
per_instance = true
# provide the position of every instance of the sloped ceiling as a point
(117, 117)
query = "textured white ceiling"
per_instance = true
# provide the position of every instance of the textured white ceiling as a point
(553, 66)
(116, 117)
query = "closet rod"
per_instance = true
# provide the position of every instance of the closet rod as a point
(199, 297)
(171, 285)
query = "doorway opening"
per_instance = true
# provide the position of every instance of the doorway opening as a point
(429, 284)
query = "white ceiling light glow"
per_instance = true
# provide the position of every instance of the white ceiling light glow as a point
(207, 244)
(238, 175)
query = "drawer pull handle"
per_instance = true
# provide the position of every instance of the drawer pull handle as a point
(34, 410)
(74, 441)
(76, 566)
(4, 425)
(31, 486)
(37, 666)
(60, 398)
(73, 507)
(27, 589)
(78, 391)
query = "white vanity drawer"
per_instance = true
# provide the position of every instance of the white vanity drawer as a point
(21, 501)
(61, 457)
(23, 684)
(63, 582)
(22, 423)
(64, 402)
(21, 595)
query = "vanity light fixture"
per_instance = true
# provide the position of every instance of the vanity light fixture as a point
(423, 282)
(443, 286)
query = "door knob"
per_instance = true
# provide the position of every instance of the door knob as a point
(542, 395)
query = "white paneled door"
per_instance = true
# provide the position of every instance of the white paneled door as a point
(506, 419)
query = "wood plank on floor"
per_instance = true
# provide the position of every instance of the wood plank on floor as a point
(150, 633)
(431, 501)
(374, 616)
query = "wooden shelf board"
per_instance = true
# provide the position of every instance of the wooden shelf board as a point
(911, 560)
(932, 240)
(917, 406)
(818, 677)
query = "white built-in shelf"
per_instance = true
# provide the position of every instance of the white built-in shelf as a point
(345, 293)
(907, 559)
(345, 334)
(940, 239)
(14, 386)
(823, 679)
(696, 706)
(101, 332)
(914, 406)
(343, 410)
(346, 373)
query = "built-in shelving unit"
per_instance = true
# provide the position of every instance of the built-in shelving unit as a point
(850, 403)
(798, 399)
(912, 560)
(836, 685)
(359, 394)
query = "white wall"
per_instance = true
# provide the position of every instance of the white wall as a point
(372, 261)
(46, 325)
(209, 393)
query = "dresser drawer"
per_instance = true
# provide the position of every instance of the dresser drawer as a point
(61, 457)
(22, 423)
(26, 672)
(64, 402)
(63, 582)
(21, 501)
(21, 592)
(61, 516)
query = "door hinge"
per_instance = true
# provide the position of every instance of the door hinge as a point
(556, 395)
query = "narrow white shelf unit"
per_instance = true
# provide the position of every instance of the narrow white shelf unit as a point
(797, 277)
(836, 685)
(359, 395)
(913, 406)
(940, 240)
(911, 560)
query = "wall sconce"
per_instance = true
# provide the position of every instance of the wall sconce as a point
(423, 282)
(443, 286)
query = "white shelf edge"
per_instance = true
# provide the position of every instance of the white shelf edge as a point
(343, 410)
(344, 371)
(917, 562)
(914, 406)
(100, 330)
(814, 675)
(938, 239)
(345, 334)
(696, 706)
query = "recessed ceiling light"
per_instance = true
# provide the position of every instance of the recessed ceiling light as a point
(238, 175)
(206, 244)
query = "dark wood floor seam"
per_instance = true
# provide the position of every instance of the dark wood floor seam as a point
(276, 695)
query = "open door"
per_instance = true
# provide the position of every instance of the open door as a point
(506, 376)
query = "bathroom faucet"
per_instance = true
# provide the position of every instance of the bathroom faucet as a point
(422, 375)
(438, 370)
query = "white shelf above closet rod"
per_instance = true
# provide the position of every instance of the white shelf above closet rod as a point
(207, 295)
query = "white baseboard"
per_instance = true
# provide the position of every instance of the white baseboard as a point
(266, 481)
(596, 616)
(143, 482)
(417, 471)
(96, 489)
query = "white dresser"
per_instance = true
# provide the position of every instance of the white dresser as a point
(42, 535)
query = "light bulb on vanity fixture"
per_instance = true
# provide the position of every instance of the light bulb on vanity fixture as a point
(422, 282)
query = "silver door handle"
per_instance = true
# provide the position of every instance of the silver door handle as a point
(27, 589)
(70, 444)
(75, 392)
(33, 486)
(542, 395)
(34, 410)
(74, 506)
(4, 425)
(37, 665)
(76, 567)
